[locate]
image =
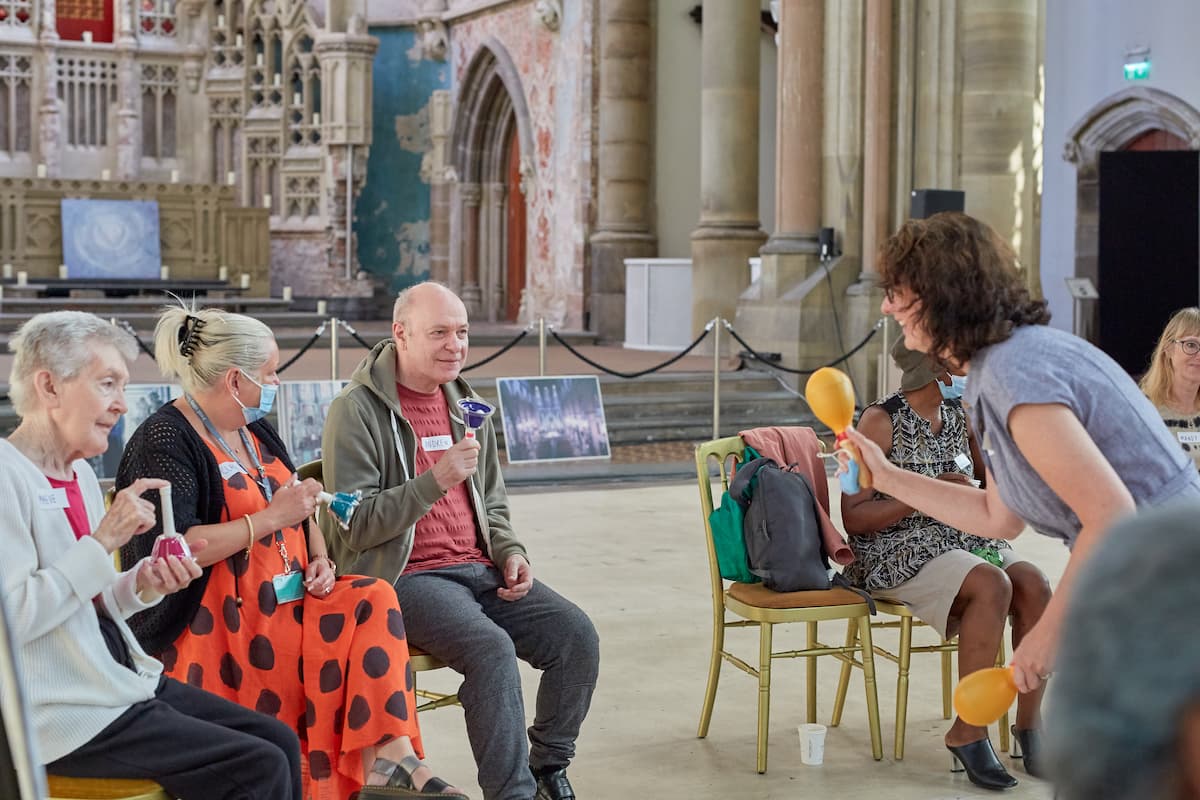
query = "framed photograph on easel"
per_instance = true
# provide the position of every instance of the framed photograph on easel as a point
(553, 418)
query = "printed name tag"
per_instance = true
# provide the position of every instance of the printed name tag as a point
(1189, 437)
(52, 498)
(229, 469)
(432, 444)
(963, 461)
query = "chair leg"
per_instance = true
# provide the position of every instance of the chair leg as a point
(812, 674)
(868, 667)
(714, 675)
(905, 657)
(1001, 657)
(764, 692)
(839, 700)
(947, 682)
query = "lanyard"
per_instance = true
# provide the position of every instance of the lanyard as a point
(261, 480)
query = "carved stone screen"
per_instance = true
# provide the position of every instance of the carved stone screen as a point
(111, 239)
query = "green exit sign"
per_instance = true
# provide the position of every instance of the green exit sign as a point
(1137, 70)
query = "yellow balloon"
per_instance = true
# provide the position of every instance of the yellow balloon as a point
(830, 395)
(982, 697)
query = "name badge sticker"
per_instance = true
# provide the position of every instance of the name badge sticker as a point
(433, 444)
(52, 498)
(1189, 437)
(963, 461)
(229, 469)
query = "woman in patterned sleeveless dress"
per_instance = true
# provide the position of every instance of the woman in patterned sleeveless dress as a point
(269, 624)
(957, 583)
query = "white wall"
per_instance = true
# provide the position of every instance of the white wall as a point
(1086, 41)
(677, 128)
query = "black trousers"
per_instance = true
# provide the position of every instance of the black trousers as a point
(195, 745)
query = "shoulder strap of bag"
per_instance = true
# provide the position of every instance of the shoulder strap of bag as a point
(741, 488)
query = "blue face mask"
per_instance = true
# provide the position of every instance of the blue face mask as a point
(958, 385)
(265, 402)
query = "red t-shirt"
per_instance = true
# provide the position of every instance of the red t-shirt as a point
(447, 533)
(76, 511)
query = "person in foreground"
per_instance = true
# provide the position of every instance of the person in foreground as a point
(101, 706)
(1070, 443)
(434, 521)
(1173, 381)
(957, 583)
(269, 624)
(1124, 717)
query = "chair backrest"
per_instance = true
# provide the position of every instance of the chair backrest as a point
(312, 469)
(728, 453)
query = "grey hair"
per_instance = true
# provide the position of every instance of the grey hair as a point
(222, 341)
(62, 342)
(1129, 663)
(403, 304)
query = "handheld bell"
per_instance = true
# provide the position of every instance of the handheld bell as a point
(475, 412)
(830, 395)
(982, 697)
(342, 505)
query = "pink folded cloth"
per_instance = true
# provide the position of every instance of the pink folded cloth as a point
(800, 446)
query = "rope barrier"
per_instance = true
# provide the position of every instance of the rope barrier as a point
(304, 349)
(124, 325)
(758, 356)
(498, 353)
(655, 368)
(354, 334)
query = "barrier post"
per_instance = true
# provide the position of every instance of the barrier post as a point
(716, 329)
(333, 348)
(541, 347)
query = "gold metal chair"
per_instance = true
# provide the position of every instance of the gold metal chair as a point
(418, 658)
(902, 658)
(760, 607)
(104, 789)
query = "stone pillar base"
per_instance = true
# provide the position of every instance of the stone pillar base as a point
(720, 272)
(606, 312)
(862, 312)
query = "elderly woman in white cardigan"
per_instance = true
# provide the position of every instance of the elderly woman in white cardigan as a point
(100, 705)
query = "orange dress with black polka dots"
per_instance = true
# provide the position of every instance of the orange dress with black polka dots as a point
(335, 668)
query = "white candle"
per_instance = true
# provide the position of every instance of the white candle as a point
(267, 200)
(322, 308)
(168, 510)
(278, 78)
(174, 176)
(22, 277)
(317, 118)
(231, 177)
(165, 273)
(258, 59)
(220, 20)
(238, 41)
(223, 274)
(287, 293)
(8, 271)
(62, 271)
(296, 98)
(245, 280)
(41, 170)
(105, 174)
(87, 36)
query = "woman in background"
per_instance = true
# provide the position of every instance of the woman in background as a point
(1173, 381)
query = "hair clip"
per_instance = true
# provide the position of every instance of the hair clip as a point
(189, 335)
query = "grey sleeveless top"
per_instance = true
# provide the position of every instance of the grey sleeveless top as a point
(1039, 364)
(897, 553)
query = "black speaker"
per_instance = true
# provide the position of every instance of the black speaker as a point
(927, 202)
(827, 245)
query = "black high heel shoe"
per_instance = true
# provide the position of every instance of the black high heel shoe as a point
(1028, 748)
(981, 765)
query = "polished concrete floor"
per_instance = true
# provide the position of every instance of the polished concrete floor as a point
(634, 558)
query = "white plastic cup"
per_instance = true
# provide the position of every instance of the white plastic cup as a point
(812, 744)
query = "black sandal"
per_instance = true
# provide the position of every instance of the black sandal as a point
(1028, 749)
(400, 783)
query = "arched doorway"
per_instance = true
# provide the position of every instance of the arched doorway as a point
(1127, 150)
(491, 143)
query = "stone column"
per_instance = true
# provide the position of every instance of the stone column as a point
(49, 120)
(436, 171)
(470, 194)
(728, 233)
(129, 96)
(877, 129)
(1001, 122)
(625, 159)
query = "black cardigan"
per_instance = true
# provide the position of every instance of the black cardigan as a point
(167, 446)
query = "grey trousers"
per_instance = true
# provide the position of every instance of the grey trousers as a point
(454, 614)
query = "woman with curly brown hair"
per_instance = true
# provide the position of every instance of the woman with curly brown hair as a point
(1070, 443)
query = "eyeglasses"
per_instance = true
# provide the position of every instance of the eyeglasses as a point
(1189, 346)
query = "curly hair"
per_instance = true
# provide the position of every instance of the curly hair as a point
(965, 280)
(1158, 382)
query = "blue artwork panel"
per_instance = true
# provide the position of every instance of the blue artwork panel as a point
(111, 239)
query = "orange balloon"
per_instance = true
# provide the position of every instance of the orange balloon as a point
(982, 697)
(830, 395)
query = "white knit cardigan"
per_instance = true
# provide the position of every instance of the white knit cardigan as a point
(73, 686)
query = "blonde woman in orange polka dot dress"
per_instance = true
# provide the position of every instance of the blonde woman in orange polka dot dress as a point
(269, 625)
